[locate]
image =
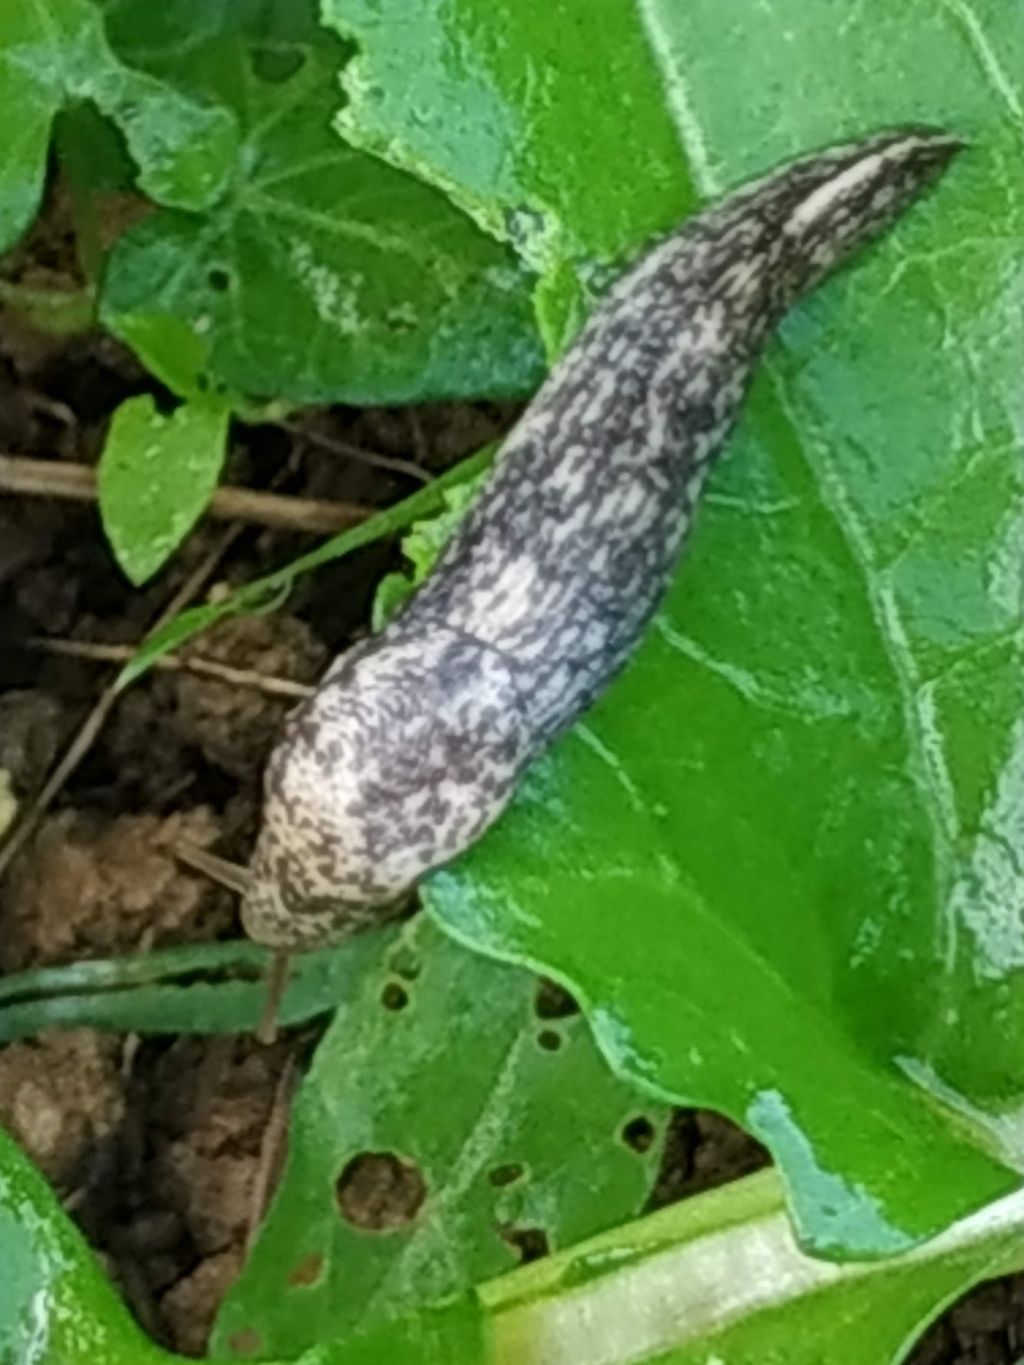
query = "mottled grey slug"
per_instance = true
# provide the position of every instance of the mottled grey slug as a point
(415, 740)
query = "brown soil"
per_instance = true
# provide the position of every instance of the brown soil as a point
(165, 1150)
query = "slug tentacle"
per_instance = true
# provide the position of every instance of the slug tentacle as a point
(415, 741)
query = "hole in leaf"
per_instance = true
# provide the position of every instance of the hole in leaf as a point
(380, 1192)
(219, 279)
(553, 1001)
(404, 963)
(530, 1243)
(505, 1175)
(394, 996)
(246, 1342)
(401, 320)
(308, 1271)
(638, 1134)
(549, 1040)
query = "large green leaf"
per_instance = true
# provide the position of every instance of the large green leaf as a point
(322, 275)
(518, 110)
(54, 52)
(491, 1126)
(719, 1279)
(56, 1308)
(780, 862)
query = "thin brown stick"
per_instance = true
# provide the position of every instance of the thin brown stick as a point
(26, 826)
(77, 482)
(219, 870)
(272, 1152)
(277, 983)
(173, 663)
(348, 451)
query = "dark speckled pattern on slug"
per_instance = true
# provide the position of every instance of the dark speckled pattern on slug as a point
(414, 743)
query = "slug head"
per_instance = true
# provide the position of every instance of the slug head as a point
(402, 757)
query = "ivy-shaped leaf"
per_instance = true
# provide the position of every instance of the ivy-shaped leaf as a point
(323, 275)
(156, 476)
(55, 52)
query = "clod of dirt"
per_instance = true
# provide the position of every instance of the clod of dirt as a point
(47, 596)
(308, 1271)
(213, 1102)
(32, 727)
(703, 1150)
(985, 1328)
(24, 538)
(187, 1177)
(191, 1304)
(231, 725)
(91, 887)
(62, 1097)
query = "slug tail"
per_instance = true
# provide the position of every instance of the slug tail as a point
(826, 208)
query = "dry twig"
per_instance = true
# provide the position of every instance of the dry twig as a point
(347, 450)
(272, 1151)
(77, 483)
(174, 663)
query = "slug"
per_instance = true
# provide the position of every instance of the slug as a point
(415, 740)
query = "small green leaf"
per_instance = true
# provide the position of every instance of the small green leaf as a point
(324, 275)
(156, 476)
(439, 1086)
(54, 52)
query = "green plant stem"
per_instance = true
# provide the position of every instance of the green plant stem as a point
(266, 593)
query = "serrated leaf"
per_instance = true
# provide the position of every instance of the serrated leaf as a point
(324, 275)
(54, 52)
(504, 1123)
(778, 861)
(421, 547)
(157, 473)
